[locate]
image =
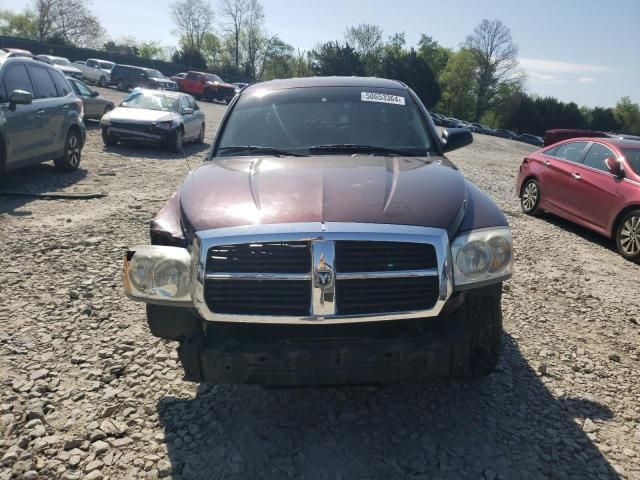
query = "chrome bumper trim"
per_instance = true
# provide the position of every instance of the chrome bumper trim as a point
(322, 237)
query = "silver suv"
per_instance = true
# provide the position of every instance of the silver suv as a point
(41, 118)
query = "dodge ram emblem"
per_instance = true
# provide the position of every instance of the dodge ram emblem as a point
(324, 278)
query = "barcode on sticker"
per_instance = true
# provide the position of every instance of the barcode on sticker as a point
(382, 98)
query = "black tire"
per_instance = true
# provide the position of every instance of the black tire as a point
(628, 236)
(120, 85)
(200, 138)
(176, 140)
(208, 95)
(481, 317)
(3, 166)
(108, 140)
(530, 197)
(103, 82)
(70, 160)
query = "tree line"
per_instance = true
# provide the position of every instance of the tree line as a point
(480, 81)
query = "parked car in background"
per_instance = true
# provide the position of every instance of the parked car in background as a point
(558, 134)
(178, 78)
(594, 182)
(152, 116)
(96, 71)
(125, 77)
(531, 139)
(62, 63)
(95, 106)
(274, 263)
(625, 136)
(504, 133)
(41, 118)
(208, 86)
(15, 52)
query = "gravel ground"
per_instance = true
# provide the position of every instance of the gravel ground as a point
(86, 392)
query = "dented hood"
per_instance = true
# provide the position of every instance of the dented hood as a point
(239, 191)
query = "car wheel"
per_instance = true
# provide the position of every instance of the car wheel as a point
(103, 82)
(481, 317)
(176, 140)
(628, 236)
(208, 96)
(107, 139)
(72, 152)
(200, 138)
(120, 85)
(530, 197)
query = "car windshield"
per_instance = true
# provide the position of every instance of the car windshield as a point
(60, 61)
(151, 101)
(213, 78)
(153, 73)
(337, 119)
(106, 65)
(633, 158)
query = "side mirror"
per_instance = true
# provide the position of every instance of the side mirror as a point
(187, 111)
(20, 97)
(94, 93)
(614, 166)
(454, 138)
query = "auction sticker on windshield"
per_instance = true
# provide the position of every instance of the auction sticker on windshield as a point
(382, 98)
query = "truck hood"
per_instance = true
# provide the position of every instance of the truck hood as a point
(221, 85)
(137, 115)
(68, 69)
(238, 191)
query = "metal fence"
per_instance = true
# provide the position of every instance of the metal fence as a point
(74, 53)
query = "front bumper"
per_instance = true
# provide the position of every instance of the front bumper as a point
(379, 352)
(154, 135)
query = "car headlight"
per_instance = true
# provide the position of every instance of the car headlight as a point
(482, 256)
(164, 125)
(160, 273)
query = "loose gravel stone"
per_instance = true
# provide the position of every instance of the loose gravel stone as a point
(87, 393)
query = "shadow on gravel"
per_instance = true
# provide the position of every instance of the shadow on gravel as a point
(507, 426)
(585, 233)
(37, 179)
(158, 152)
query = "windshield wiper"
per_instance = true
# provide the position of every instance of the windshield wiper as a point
(354, 148)
(259, 149)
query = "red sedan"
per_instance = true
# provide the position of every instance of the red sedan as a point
(594, 182)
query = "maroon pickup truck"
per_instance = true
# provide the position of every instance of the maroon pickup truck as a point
(327, 240)
(207, 86)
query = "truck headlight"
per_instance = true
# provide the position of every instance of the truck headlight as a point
(157, 273)
(482, 256)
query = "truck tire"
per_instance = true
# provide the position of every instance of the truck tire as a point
(481, 317)
(103, 82)
(200, 138)
(70, 160)
(120, 85)
(628, 236)
(107, 139)
(208, 95)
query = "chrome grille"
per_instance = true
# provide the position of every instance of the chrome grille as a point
(323, 273)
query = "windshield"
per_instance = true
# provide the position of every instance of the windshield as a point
(633, 158)
(107, 65)
(300, 118)
(213, 78)
(60, 61)
(153, 73)
(151, 101)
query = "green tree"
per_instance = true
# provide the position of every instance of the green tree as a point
(332, 58)
(458, 95)
(279, 62)
(23, 25)
(603, 119)
(628, 115)
(193, 20)
(410, 68)
(434, 54)
(151, 50)
(190, 57)
(366, 39)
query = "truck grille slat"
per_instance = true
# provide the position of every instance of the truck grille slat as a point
(291, 257)
(365, 256)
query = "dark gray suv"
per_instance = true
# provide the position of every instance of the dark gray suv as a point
(41, 118)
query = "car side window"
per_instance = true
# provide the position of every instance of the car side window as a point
(61, 83)
(596, 156)
(184, 103)
(82, 89)
(44, 86)
(91, 63)
(192, 76)
(16, 78)
(192, 103)
(571, 151)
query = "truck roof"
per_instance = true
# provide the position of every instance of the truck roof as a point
(306, 82)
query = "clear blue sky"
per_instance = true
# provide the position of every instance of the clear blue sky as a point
(585, 51)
